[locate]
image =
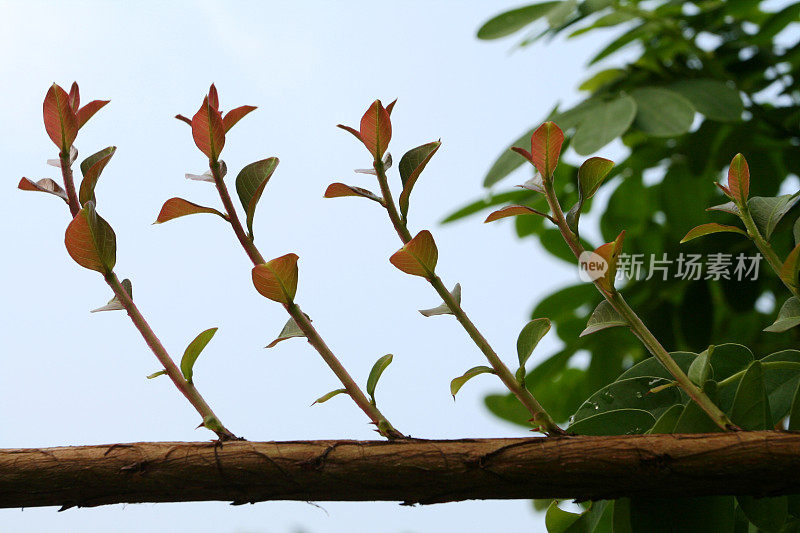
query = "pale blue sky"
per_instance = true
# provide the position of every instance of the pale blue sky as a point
(70, 377)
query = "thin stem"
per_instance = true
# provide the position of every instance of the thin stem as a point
(69, 183)
(634, 322)
(768, 365)
(764, 246)
(245, 240)
(540, 415)
(312, 335)
(191, 393)
(188, 389)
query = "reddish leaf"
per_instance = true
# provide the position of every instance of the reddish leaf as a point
(739, 179)
(707, 229)
(88, 111)
(610, 253)
(790, 267)
(44, 185)
(213, 97)
(208, 130)
(74, 97)
(337, 190)
(90, 240)
(235, 115)
(59, 119)
(91, 168)
(184, 119)
(355, 132)
(277, 279)
(523, 152)
(178, 207)
(546, 144)
(376, 129)
(391, 106)
(726, 191)
(418, 257)
(513, 210)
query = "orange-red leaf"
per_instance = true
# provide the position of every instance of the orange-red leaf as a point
(707, 229)
(235, 115)
(44, 185)
(60, 120)
(546, 144)
(610, 253)
(178, 207)
(74, 97)
(88, 111)
(513, 210)
(277, 279)
(376, 129)
(391, 106)
(337, 190)
(213, 97)
(418, 257)
(90, 240)
(208, 130)
(791, 267)
(739, 179)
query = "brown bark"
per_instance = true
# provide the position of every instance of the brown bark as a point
(411, 471)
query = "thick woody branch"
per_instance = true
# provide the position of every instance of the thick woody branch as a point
(410, 471)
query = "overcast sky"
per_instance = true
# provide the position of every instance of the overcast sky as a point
(70, 377)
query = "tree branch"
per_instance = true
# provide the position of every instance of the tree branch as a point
(412, 471)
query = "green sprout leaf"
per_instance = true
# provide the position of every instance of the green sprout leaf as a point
(443, 308)
(156, 374)
(193, 352)
(604, 316)
(411, 166)
(324, 398)
(375, 374)
(91, 168)
(459, 382)
(90, 240)
(250, 184)
(529, 337)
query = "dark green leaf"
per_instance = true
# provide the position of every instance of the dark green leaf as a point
(529, 337)
(602, 123)
(632, 393)
(788, 316)
(411, 166)
(685, 515)
(781, 382)
(714, 99)
(667, 421)
(617, 422)
(91, 168)
(661, 112)
(750, 406)
(694, 419)
(511, 21)
(193, 352)
(768, 514)
(250, 185)
(700, 369)
(653, 367)
(768, 212)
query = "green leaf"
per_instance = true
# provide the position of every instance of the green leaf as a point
(90, 240)
(558, 520)
(511, 21)
(156, 374)
(750, 408)
(794, 414)
(768, 514)
(796, 232)
(768, 212)
(602, 78)
(782, 382)
(714, 99)
(632, 393)
(788, 316)
(602, 123)
(653, 367)
(667, 421)
(250, 184)
(375, 374)
(591, 175)
(708, 229)
(685, 515)
(493, 200)
(529, 337)
(193, 352)
(91, 168)
(694, 419)
(509, 408)
(324, 398)
(289, 331)
(604, 316)
(700, 368)
(443, 308)
(728, 359)
(459, 382)
(661, 112)
(411, 166)
(617, 422)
